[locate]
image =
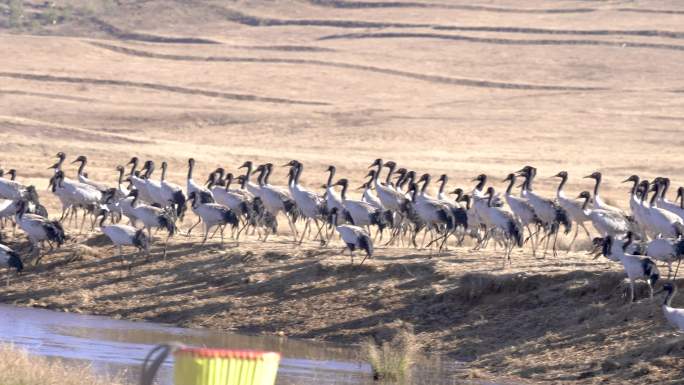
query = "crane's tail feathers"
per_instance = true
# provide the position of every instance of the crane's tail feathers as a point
(140, 240)
(15, 261)
(650, 270)
(516, 232)
(55, 232)
(563, 218)
(166, 222)
(461, 216)
(230, 218)
(366, 244)
(179, 202)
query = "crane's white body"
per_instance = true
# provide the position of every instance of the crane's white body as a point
(10, 189)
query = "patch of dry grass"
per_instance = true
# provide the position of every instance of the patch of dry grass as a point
(17, 367)
(392, 360)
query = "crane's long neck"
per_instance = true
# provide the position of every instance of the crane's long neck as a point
(262, 175)
(191, 166)
(331, 170)
(666, 186)
(248, 174)
(509, 189)
(135, 200)
(656, 194)
(668, 298)
(343, 194)
(82, 166)
(267, 174)
(298, 173)
(388, 179)
(634, 186)
(564, 179)
(425, 185)
(480, 185)
(150, 170)
(163, 174)
(443, 185)
(644, 195)
(121, 174)
(597, 185)
(489, 199)
(586, 203)
(243, 182)
(133, 167)
(229, 180)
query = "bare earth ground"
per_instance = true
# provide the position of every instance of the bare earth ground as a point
(445, 86)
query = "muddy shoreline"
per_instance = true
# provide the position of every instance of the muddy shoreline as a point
(555, 319)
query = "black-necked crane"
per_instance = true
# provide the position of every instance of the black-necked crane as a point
(436, 215)
(276, 199)
(661, 200)
(250, 186)
(213, 214)
(310, 204)
(81, 194)
(636, 267)
(522, 210)
(549, 212)
(674, 316)
(172, 193)
(360, 213)
(391, 199)
(598, 203)
(572, 207)
(507, 225)
(138, 182)
(57, 166)
(193, 186)
(38, 229)
(84, 179)
(153, 217)
(124, 235)
(11, 260)
(665, 250)
(11, 189)
(354, 237)
(12, 173)
(606, 222)
(154, 188)
(368, 195)
(662, 222)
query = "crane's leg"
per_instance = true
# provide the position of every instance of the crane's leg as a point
(206, 233)
(555, 238)
(293, 228)
(573, 239)
(631, 290)
(166, 242)
(306, 227)
(193, 226)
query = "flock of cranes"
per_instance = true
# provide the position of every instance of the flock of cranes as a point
(399, 206)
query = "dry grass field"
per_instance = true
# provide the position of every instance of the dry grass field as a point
(440, 86)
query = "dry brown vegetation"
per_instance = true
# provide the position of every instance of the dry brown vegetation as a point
(459, 87)
(17, 367)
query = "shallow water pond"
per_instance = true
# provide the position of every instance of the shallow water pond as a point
(115, 346)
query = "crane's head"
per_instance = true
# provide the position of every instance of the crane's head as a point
(562, 174)
(247, 164)
(443, 178)
(292, 163)
(81, 158)
(527, 170)
(594, 175)
(133, 161)
(60, 155)
(490, 191)
(342, 182)
(509, 178)
(479, 178)
(191, 162)
(376, 163)
(424, 177)
(632, 178)
(330, 168)
(390, 164)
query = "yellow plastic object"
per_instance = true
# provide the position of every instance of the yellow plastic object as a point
(198, 366)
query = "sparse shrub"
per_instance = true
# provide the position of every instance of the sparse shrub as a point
(16, 14)
(392, 360)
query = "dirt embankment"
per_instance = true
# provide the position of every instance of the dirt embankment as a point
(558, 319)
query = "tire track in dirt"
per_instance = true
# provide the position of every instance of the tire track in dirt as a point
(397, 4)
(486, 40)
(255, 21)
(125, 35)
(386, 71)
(157, 87)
